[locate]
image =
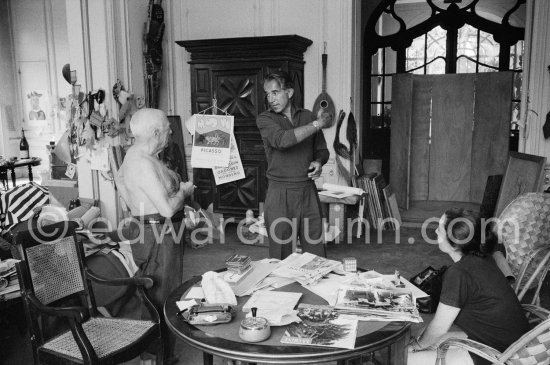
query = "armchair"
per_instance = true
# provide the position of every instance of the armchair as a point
(524, 229)
(55, 282)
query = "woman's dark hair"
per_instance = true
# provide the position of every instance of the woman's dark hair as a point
(282, 77)
(464, 231)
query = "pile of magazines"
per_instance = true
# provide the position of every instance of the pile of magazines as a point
(238, 264)
(377, 303)
(306, 268)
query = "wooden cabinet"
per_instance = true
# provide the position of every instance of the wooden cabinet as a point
(231, 70)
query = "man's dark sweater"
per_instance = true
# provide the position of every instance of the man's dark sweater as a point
(288, 160)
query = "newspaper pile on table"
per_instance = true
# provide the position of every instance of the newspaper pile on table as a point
(306, 268)
(376, 303)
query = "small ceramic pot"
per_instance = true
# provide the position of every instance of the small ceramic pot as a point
(254, 329)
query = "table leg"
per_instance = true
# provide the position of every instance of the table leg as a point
(13, 176)
(30, 173)
(398, 351)
(207, 359)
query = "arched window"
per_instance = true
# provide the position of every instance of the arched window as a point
(436, 37)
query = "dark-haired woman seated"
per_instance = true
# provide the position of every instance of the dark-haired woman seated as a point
(475, 294)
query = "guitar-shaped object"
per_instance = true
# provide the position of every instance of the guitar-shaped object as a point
(324, 101)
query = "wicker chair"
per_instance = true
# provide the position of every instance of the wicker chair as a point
(524, 229)
(55, 282)
(530, 349)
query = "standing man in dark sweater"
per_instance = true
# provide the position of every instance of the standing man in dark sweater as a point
(296, 150)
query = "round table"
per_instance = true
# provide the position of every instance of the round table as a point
(223, 339)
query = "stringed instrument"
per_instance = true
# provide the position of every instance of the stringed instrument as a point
(324, 101)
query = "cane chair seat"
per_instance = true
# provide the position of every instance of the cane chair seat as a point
(524, 229)
(107, 336)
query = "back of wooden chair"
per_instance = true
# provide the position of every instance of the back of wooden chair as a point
(54, 269)
(52, 261)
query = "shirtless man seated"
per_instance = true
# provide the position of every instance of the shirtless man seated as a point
(154, 194)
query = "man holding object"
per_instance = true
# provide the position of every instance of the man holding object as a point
(296, 150)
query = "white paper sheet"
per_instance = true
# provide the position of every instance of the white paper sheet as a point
(234, 171)
(272, 300)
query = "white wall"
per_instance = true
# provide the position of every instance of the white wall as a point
(8, 101)
(40, 49)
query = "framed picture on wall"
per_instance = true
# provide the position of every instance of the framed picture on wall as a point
(524, 174)
(36, 109)
(174, 154)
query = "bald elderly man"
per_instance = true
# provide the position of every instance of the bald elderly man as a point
(154, 195)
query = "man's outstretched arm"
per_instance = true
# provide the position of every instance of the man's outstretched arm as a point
(280, 138)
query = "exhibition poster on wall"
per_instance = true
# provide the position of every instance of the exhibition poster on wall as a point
(211, 141)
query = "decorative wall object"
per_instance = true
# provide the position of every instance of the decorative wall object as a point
(35, 97)
(152, 52)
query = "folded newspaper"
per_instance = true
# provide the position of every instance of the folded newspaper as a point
(306, 268)
(371, 303)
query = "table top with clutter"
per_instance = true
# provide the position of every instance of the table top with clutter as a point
(311, 306)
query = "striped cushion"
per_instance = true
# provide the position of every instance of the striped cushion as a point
(17, 204)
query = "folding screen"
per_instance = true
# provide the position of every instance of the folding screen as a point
(449, 132)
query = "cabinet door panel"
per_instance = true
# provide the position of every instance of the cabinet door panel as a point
(202, 82)
(238, 196)
(238, 92)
